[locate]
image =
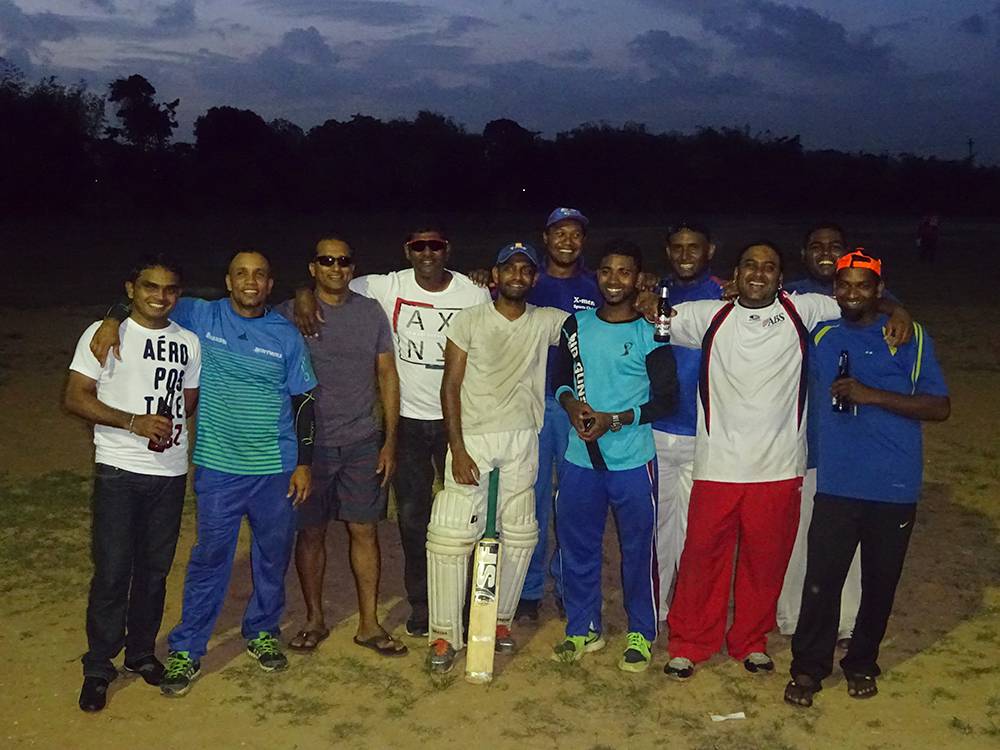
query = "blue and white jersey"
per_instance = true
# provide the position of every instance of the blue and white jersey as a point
(250, 369)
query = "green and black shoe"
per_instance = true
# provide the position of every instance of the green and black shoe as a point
(267, 651)
(181, 671)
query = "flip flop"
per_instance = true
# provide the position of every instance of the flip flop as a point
(308, 639)
(383, 644)
(800, 690)
(861, 686)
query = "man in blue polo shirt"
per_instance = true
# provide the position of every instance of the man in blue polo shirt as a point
(869, 458)
(613, 381)
(689, 251)
(253, 456)
(563, 283)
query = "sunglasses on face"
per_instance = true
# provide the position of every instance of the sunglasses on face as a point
(344, 261)
(435, 246)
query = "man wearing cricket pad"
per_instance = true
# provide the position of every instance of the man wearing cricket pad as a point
(253, 456)
(492, 396)
(614, 380)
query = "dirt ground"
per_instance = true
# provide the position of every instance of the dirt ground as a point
(941, 657)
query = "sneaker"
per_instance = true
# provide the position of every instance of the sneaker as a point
(758, 663)
(527, 609)
(504, 643)
(679, 668)
(416, 627)
(441, 656)
(267, 651)
(636, 657)
(575, 646)
(180, 671)
(149, 668)
(93, 694)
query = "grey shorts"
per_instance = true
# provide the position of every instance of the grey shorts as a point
(345, 486)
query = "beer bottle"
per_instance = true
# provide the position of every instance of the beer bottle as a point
(841, 404)
(661, 328)
(164, 408)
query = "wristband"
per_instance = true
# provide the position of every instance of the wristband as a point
(130, 423)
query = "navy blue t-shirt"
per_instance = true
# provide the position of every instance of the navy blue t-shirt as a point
(873, 454)
(684, 420)
(575, 293)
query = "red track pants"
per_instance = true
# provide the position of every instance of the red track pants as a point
(763, 518)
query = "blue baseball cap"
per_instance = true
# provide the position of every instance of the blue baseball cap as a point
(509, 251)
(562, 214)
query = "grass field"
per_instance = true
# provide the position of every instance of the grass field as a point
(941, 657)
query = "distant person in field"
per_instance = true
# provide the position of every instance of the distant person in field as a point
(420, 303)
(927, 236)
(870, 466)
(613, 382)
(139, 407)
(492, 394)
(689, 250)
(749, 459)
(352, 463)
(253, 456)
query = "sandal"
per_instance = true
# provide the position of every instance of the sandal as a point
(308, 640)
(800, 690)
(861, 686)
(383, 644)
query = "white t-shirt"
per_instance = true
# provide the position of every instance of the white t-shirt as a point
(419, 321)
(504, 384)
(154, 363)
(752, 404)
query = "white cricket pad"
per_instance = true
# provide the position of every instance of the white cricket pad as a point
(519, 535)
(451, 535)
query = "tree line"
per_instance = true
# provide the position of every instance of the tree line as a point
(63, 151)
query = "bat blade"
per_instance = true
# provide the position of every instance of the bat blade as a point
(484, 600)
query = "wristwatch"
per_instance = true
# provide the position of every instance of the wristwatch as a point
(616, 423)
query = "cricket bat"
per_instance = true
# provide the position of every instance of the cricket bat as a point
(483, 605)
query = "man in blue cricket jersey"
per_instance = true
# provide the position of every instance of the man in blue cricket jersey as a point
(869, 476)
(613, 381)
(689, 251)
(563, 283)
(252, 456)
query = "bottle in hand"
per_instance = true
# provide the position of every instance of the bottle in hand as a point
(661, 328)
(841, 404)
(164, 408)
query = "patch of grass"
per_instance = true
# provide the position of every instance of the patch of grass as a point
(874, 723)
(940, 692)
(343, 730)
(270, 699)
(961, 726)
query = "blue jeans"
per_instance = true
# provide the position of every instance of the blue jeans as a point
(133, 538)
(551, 449)
(223, 500)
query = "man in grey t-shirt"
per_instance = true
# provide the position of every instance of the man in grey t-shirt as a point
(352, 462)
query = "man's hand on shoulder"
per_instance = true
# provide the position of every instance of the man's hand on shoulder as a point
(106, 338)
(306, 312)
(481, 277)
(899, 327)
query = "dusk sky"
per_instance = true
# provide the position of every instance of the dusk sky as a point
(897, 75)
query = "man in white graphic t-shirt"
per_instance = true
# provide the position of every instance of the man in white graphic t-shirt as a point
(420, 303)
(750, 451)
(139, 407)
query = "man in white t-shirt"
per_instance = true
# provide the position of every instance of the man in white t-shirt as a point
(138, 406)
(421, 303)
(750, 451)
(493, 395)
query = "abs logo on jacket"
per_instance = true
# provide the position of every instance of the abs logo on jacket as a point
(773, 320)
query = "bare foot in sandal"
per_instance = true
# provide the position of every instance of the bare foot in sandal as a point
(800, 690)
(309, 638)
(861, 686)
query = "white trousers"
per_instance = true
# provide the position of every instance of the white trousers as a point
(675, 462)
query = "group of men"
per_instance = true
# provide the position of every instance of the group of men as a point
(558, 381)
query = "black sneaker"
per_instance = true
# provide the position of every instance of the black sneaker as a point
(758, 663)
(267, 651)
(416, 627)
(148, 668)
(527, 609)
(181, 670)
(93, 694)
(679, 669)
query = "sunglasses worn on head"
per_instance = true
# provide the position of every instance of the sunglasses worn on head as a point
(435, 246)
(344, 261)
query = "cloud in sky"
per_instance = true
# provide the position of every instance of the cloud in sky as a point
(793, 67)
